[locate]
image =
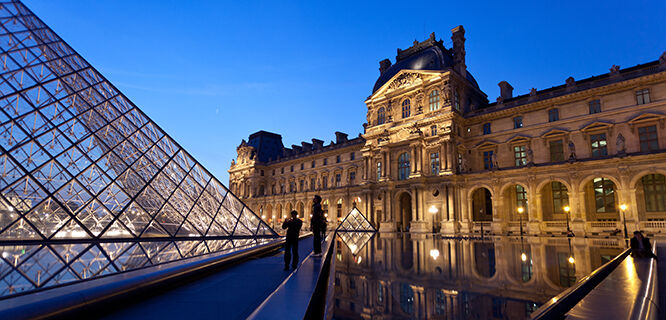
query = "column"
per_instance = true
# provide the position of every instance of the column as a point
(443, 157)
(413, 160)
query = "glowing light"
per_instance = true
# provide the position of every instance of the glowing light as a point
(433, 209)
(353, 248)
(5, 254)
(523, 257)
(11, 209)
(623, 207)
(358, 260)
(554, 299)
(263, 216)
(566, 209)
(572, 260)
(434, 253)
(521, 210)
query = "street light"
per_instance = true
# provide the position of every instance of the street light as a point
(623, 207)
(566, 210)
(520, 215)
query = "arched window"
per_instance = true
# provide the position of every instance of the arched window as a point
(654, 190)
(406, 298)
(324, 207)
(434, 100)
(381, 116)
(403, 166)
(604, 195)
(406, 108)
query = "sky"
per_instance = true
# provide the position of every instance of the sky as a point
(210, 73)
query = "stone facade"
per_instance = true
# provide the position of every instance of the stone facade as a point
(437, 156)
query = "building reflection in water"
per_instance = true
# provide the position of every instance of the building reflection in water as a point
(402, 276)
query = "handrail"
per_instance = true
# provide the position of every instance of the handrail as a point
(557, 307)
(322, 295)
(647, 305)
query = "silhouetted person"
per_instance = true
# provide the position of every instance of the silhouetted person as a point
(293, 227)
(317, 224)
(641, 247)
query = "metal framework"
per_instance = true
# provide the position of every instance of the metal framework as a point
(355, 231)
(89, 185)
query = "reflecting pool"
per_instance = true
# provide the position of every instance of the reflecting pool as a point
(403, 276)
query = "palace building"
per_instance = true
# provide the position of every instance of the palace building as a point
(436, 155)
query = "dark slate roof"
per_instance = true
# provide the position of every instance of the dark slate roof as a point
(426, 55)
(268, 145)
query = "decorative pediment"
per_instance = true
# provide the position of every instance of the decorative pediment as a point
(597, 125)
(486, 144)
(519, 139)
(555, 132)
(646, 117)
(405, 80)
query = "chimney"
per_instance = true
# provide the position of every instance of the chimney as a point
(506, 90)
(340, 137)
(458, 38)
(384, 65)
(318, 144)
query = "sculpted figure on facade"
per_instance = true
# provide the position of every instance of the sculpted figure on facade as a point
(619, 145)
(572, 151)
(530, 156)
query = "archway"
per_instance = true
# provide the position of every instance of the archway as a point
(601, 200)
(515, 197)
(278, 213)
(651, 197)
(405, 201)
(300, 208)
(482, 205)
(554, 197)
(270, 216)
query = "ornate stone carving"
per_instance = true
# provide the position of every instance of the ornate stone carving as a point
(615, 70)
(572, 151)
(405, 80)
(620, 145)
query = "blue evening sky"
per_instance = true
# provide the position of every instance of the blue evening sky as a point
(212, 72)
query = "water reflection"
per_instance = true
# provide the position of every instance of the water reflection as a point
(399, 276)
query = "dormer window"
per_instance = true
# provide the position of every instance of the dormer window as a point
(433, 100)
(517, 122)
(486, 128)
(406, 108)
(381, 116)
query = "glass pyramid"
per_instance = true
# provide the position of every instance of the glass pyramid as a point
(355, 240)
(355, 221)
(78, 160)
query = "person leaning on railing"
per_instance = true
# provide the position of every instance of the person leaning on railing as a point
(641, 247)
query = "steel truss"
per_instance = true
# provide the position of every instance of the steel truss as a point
(89, 185)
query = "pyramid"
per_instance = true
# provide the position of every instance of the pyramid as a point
(355, 221)
(80, 161)
(355, 240)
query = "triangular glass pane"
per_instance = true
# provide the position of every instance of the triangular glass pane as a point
(20, 230)
(48, 217)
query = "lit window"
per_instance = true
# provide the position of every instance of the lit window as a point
(648, 138)
(595, 106)
(521, 198)
(434, 163)
(517, 122)
(654, 190)
(520, 155)
(486, 128)
(379, 170)
(338, 208)
(643, 96)
(406, 108)
(403, 166)
(553, 115)
(556, 150)
(604, 195)
(433, 131)
(488, 160)
(434, 100)
(598, 143)
(381, 116)
(456, 100)
(560, 196)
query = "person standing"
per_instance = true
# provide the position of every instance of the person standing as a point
(293, 227)
(317, 222)
(641, 247)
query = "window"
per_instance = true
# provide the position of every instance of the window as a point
(313, 164)
(406, 298)
(598, 142)
(595, 106)
(352, 178)
(556, 150)
(434, 163)
(648, 138)
(324, 207)
(282, 170)
(488, 160)
(338, 209)
(520, 155)
(352, 156)
(302, 185)
(292, 168)
(302, 166)
(262, 173)
(337, 159)
(433, 131)
(273, 171)
(292, 187)
(643, 96)
(381, 116)
(406, 108)
(379, 170)
(521, 198)
(517, 122)
(654, 190)
(440, 302)
(324, 182)
(282, 188)
(560, 196)
(313, 183)
(325, 161)
(338, 180)
(433, 100)
(553, 115)
(604, 195)
(486, 128)
(456, 100)
(403, 166)
(273, 188)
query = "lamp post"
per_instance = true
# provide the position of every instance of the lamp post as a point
(566, 211)
(520, 216)
(623, 207)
